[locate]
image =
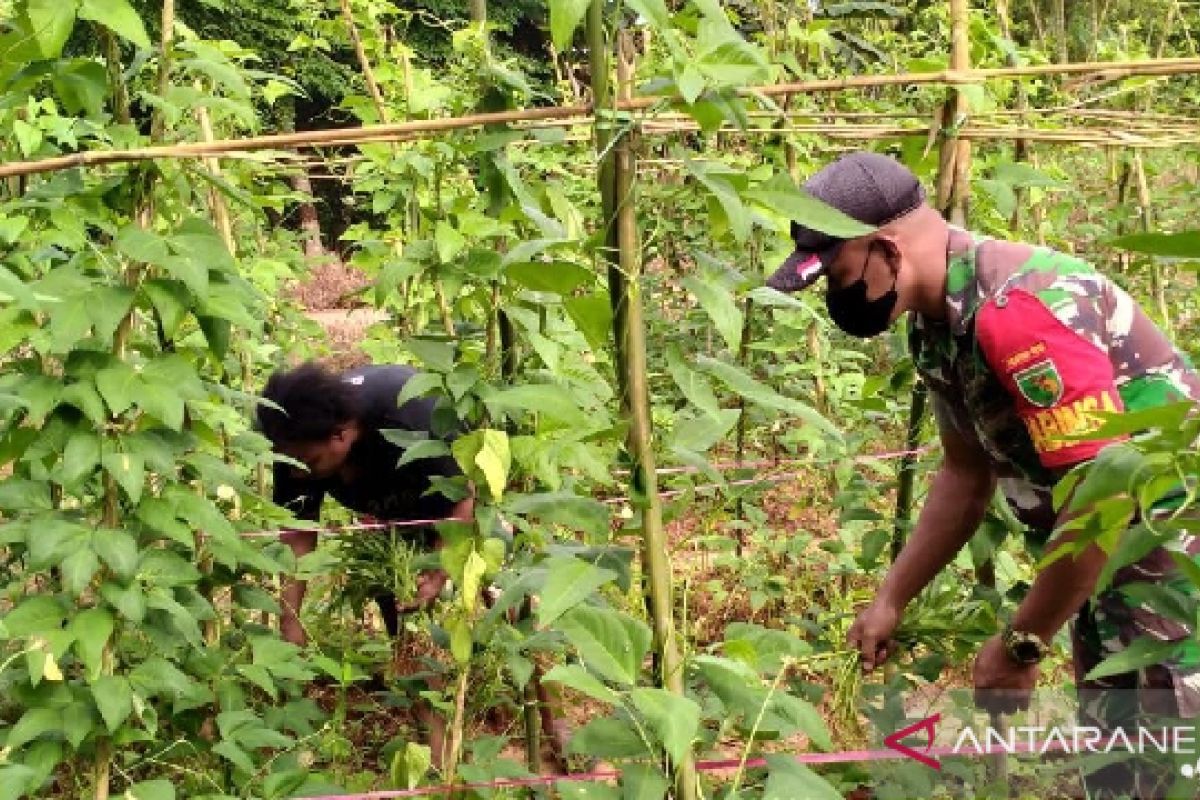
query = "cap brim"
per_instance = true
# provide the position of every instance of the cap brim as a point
(799, 271)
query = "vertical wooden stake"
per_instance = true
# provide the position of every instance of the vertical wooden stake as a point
(622, 254)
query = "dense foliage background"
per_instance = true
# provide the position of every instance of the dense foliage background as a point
(142, 306)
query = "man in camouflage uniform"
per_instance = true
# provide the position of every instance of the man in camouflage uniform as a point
(1019, 346)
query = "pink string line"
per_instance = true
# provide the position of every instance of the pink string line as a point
(718, 765)
(417, 523)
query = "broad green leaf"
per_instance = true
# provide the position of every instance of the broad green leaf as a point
(787, 779)
(461, 642)
(449, 241)
(609, 738)
(106, 307)
(161, 402)
(92, 629)
(29, 138)
(34, 723)
(140, 245)
(150, 790)
(643, 782)
(129, 471)
(547, 399)
(694, 386)
(558, 277)
(129, 601)
(698, 434)
(569, 582)
(119, 17)
(1174, 245)
(80, 457)
(789, 714)
(485, 453)
(51, 22)
(114, 699)
(565, 17)
(1111, 473)
(1142, 652)
(472, 577)
(118, 384)
(16, 781)
(35, 616)
(783, 197)
(592, 315)
(117, 549)
(78, 569)
(673, 718)
(726, 195)
(721, 307)
(611, 644)
(82, 85)
(430, 448)
(576, 677)
(436, 354)
(739, 381)
(411, 765)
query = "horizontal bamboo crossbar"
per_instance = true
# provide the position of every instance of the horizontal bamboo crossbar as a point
(1099, 71)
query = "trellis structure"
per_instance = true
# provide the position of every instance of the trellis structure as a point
(653, 115)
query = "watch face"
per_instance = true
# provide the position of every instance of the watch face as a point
(1027, 651)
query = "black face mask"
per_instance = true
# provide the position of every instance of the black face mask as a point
(851, 311)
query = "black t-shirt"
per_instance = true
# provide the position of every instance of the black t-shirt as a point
(379, 488)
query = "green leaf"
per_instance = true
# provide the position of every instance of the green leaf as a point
(473, 571)
(35, 616)
(721, 307)
(1142, 652)
(461, 642)
(29, 138)
(609, 738)
(436, 354)
(694, 386)
(129, 600)
(558, 277)
(709, 175)
(739, 381)
(1109, 474)
(106, 307)
(449, 241)
(788, 779)
(576, 677)
(485, 454)
(411, 765)
(789, 714)
(117, 549)
(138, 244)
(547, 399)
(1185, 244)
(611, 644)
(1017, 173)
(171, 300)
(82, 85)
(430, 448)
(643, 782)
(119, 17)
(565, 17)
(15, 781)
(92, 630)
(162, 403)
(592, 315)
(78, 569)
(118, 385)
(129, 471)
(569, 582)
(700, 433)
(673, 718)
(34, 723)
(114, 699)
(782, 196)
(51, 22)
(150, 790)
(80, 457)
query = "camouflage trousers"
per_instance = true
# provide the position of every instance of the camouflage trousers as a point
(1154, 695)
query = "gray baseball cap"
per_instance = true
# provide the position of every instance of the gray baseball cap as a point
(871, 188)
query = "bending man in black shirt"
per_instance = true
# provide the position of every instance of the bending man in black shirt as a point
(331, 424)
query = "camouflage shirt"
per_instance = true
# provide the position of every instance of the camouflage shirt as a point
(1033, 340)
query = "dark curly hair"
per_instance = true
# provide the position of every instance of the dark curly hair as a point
(313, 402)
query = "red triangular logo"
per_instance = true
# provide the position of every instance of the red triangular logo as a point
(927, 725)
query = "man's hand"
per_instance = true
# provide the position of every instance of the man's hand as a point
(429, 586)
(871, 633)
(1002, 685)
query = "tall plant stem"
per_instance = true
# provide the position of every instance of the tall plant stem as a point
(623, 256)
(364, 63)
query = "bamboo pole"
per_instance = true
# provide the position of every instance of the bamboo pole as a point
(364, 63)
(622, 253)
(417, 128)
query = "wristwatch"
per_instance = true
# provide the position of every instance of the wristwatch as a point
(1024, 647)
